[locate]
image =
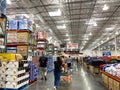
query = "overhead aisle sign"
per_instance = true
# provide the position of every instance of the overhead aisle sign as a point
(72, 46)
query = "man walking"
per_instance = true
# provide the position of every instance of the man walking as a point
(43, 66)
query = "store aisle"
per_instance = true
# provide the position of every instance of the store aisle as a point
(81, 80)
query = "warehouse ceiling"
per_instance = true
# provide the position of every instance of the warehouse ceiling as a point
(87, 22)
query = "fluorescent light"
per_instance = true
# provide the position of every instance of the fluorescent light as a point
(8, 1)
(67, 35)
(108, 38)
(90, 34)
(50, 30)
(37, 26)
(55, 13)
(61, 27)
(116, 33)
(105, 7)
(95, 24)
(101, 41)
(87, 39)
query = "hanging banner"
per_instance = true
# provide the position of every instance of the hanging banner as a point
(41, 35)
(72, 46)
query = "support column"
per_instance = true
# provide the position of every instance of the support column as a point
(116, 46)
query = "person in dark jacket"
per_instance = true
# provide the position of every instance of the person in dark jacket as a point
(57, 72)
(43, 66)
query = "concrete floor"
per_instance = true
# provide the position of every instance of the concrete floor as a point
(81, 80)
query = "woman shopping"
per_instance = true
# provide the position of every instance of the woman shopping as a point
(57, 72)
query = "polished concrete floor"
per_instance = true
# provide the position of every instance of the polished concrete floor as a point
(81, 80)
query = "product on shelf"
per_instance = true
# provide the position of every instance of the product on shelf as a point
(10, 57)
(13, 25)
(22, 37)
(12, 37)
(113, 69)
(24, 24)
(23, 50)
(11, 49)
(33, 71)
(1, 41)
(14, 74)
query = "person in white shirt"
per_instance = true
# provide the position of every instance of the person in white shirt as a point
(69, 62)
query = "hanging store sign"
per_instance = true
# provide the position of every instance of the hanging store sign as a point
(72, 46)
(41, 35)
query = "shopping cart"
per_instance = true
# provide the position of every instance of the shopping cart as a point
(65, 79)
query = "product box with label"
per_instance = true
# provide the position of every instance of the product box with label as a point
(116, 85)
(23, 50)
(13, 25)
(24, 24)
(22, 37)
(12, 37)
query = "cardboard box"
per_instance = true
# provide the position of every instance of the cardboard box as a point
(23, 50)
(22, 37)
(111, 84)
(116, 85)
(11, 37)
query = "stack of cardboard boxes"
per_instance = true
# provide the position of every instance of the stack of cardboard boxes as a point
(113, 83)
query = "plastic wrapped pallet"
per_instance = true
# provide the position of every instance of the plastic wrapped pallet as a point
(13, 25)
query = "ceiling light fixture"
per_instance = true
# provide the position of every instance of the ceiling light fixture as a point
(101, 41)
(37, 26)
(8, 2)
(105, 7)
(90, 34)
(50, 30)
(95, 24)
(55, 13)
(87, 38)
(67, 35)
(108, 38)
(116, 33)
(61, 27)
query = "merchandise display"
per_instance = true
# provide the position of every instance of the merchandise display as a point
(59, 44)
(113, 69)
(50, 65)
(33, 72)
(13, 74)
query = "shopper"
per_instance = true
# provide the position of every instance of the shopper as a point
(43, 66)
(57, 72)
(69, 62)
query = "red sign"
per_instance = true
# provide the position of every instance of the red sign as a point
(72, 46)
(41, 35)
